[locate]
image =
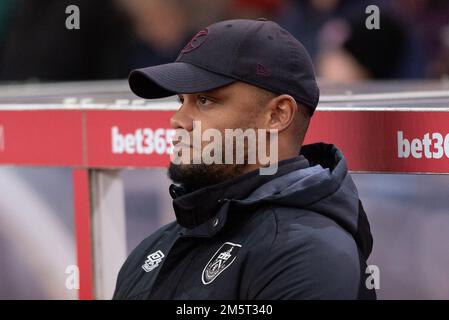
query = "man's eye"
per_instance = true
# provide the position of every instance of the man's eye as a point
(180, 100)
(204, 101)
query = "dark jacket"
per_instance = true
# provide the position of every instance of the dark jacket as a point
(299, 234)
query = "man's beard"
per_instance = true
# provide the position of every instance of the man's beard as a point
(197, 176)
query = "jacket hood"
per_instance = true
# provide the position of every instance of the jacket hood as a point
(324, 187)
(316, 180)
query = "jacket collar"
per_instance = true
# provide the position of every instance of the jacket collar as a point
(204, 212)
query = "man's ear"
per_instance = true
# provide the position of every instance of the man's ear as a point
(280, 112)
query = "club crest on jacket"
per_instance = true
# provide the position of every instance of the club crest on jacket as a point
(222, 259)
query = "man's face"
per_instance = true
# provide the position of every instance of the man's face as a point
(231, 107)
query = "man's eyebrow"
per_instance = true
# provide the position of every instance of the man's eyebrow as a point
(216, 91)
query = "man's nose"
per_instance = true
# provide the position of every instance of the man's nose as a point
(182, 119)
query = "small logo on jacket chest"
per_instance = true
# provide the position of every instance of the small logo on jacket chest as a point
(222, 259)
(153, 261)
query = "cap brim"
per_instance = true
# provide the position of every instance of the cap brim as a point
(172, 78)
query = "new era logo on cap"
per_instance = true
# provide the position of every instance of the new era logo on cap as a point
(261, 70)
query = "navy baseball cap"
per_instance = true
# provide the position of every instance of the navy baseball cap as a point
(258, 52)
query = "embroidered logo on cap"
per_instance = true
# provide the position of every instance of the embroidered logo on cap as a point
(196, 42)
(222, 259)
